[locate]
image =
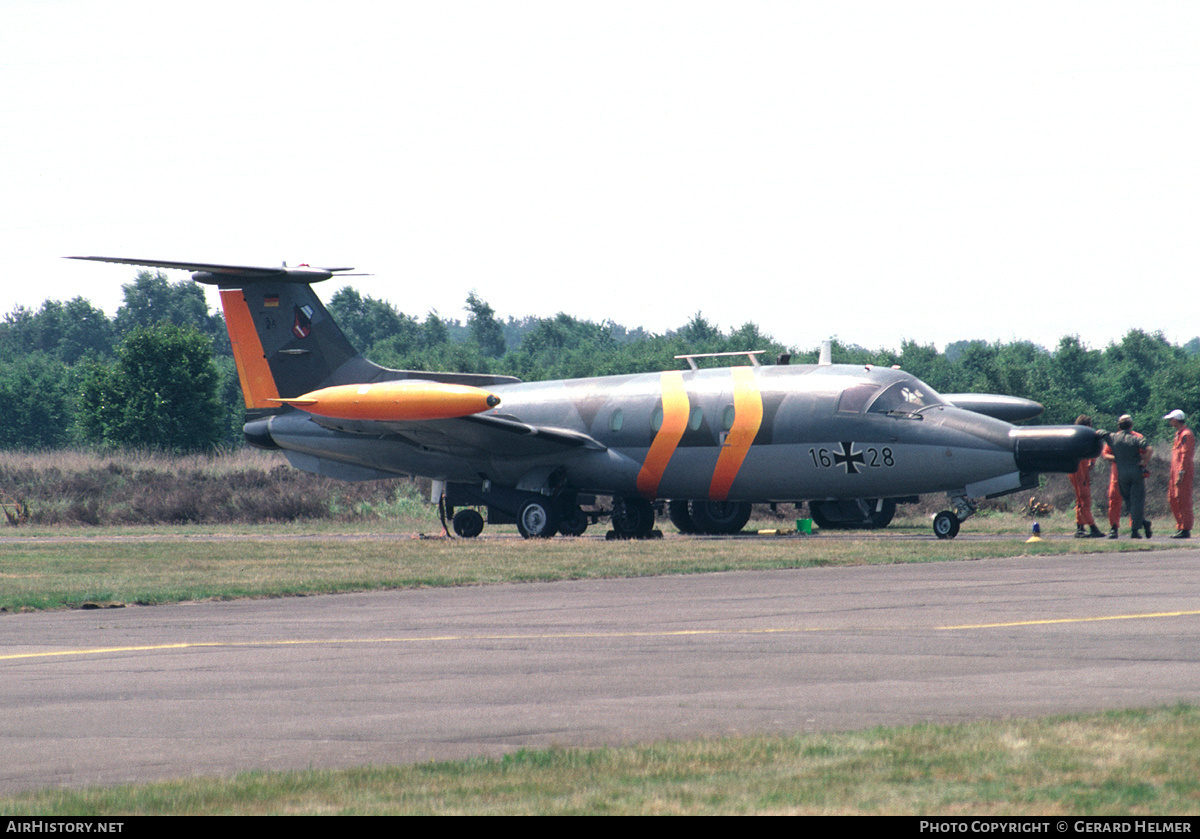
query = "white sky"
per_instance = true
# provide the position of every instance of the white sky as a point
(874, 171)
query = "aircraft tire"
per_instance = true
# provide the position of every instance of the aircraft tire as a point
(573, 522)
(538, 520)
(633, 518)
(878, 519)
(468, 523)
(883, 517)
(818, 516)
(680, 517)
(945, 525)
(720, 517)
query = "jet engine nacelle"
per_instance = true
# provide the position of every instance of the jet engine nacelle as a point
(1056, 448)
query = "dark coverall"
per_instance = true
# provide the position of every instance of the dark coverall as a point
(1127, 448)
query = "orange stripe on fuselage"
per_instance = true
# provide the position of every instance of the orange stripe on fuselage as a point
(747, 417)
(675, 417)
(258, 385)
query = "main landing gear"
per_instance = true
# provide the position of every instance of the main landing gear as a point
(632, 517)
(468, 523)
(711, 517)
(853, 514)
(539, 516)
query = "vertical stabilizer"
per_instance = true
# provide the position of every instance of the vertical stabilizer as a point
(284, 341)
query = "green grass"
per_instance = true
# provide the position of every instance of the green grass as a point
(1130, 762)
(162, 565)
(1117, 763)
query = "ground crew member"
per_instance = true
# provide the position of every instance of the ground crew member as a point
(1114, 495)
(1131, 456)
(1183, 470)
(1081, 480)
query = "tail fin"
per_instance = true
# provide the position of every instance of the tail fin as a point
(285, 344)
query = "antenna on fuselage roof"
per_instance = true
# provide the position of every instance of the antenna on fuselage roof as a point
(751, 354)
(826, 353)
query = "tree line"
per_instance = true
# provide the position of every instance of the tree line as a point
(160, 373)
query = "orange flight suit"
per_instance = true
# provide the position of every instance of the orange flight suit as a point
(1114, 495)
(1081, 479)
(1183, 470)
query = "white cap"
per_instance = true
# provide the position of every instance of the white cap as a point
(1176, 415)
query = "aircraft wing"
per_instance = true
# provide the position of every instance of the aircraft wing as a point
(477, 435)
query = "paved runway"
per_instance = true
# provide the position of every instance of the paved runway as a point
(102, 697)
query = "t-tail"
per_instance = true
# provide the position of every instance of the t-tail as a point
(285, 343)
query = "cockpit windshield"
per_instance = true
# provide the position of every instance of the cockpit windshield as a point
(907, 396)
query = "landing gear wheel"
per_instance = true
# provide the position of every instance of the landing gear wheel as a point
(538, 520)
(945, 525)
(865, 514)
(882, 512)
(468, 523)
(720, 517)
(817, 513)
(573, 523)
(633, 518)
(680, 517)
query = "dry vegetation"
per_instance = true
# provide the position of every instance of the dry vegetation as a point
(81, 487)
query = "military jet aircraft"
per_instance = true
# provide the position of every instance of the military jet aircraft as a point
(708, 441)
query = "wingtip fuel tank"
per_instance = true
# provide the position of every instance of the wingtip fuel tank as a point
(395, 401)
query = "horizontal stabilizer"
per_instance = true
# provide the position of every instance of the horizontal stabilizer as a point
(214, 274)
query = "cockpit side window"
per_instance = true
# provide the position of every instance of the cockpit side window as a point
(854, 399)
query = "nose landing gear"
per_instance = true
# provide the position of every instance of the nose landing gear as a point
(947, 522)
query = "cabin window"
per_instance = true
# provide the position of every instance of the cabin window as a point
(656, 419)
(696, 417)
(616, 420)
(727, 418)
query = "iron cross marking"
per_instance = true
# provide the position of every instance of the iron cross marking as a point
(848, 457)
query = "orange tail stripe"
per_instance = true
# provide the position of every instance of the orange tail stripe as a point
(747, 417)
(258, 385)
(675, 417)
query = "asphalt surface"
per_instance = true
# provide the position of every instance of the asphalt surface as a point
(135, 694)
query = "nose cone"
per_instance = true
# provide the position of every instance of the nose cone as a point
(1053, 448)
